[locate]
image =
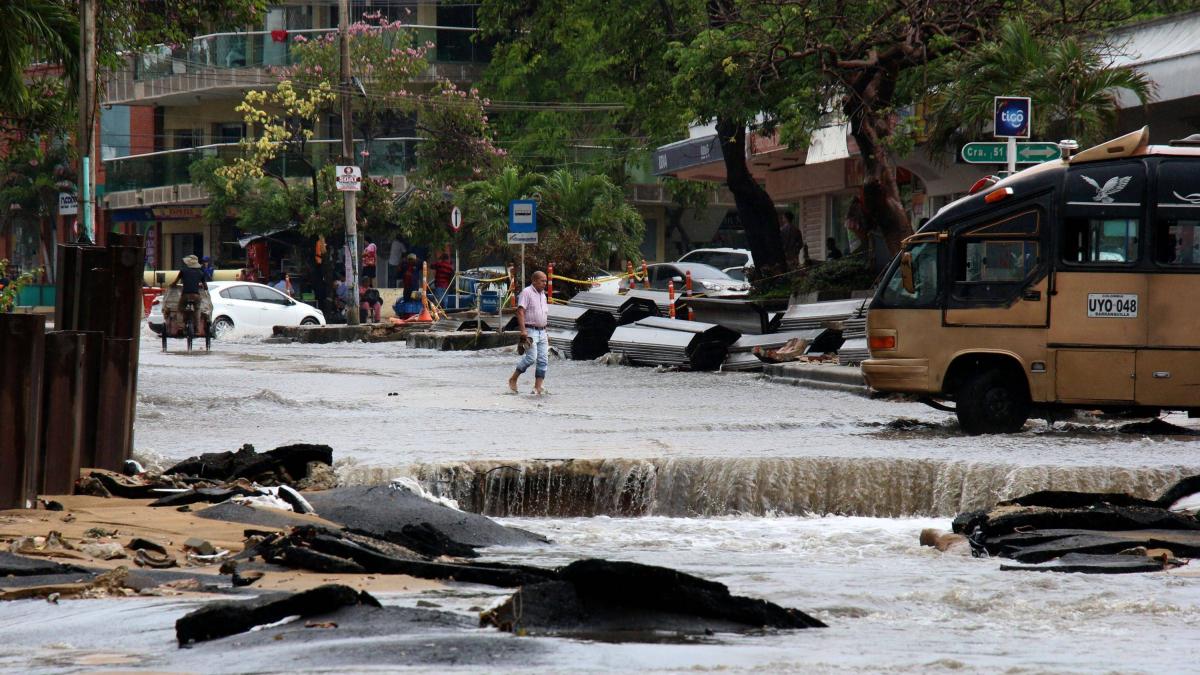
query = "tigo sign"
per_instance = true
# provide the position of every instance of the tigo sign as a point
(1013, 116)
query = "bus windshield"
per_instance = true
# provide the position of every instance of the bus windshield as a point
(924, 278)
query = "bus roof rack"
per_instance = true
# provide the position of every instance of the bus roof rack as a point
(1123, 146)
(1193, 141)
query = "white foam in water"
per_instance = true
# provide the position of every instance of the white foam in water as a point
(1189, 504)
(411, 484)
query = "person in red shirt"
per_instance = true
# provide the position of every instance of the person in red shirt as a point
(443, 274)
(368, 260)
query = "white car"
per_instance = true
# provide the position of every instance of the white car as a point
(722, 258)
(706, 279)
(248, 307)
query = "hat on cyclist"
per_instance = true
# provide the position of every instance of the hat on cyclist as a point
(190, 261)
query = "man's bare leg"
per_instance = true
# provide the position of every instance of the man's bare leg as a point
(537, 385)
(512, 382)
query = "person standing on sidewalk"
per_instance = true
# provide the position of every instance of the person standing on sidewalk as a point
(532, 313)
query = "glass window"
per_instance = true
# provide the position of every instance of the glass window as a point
(1101, 240)
(989, 261)
(264, 294)
(237, 293)
(718, 259)
(925, 279)
(1178, 242)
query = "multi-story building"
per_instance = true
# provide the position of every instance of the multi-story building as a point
(171, 106)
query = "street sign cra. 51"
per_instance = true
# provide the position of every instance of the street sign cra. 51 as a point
(1013, 116)
(997, 153)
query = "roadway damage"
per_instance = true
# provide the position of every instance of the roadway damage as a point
(164, 535)
(1095, 533)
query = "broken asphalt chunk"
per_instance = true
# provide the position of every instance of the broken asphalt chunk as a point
(221, 619)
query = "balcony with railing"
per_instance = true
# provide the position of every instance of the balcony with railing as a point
(170, 169)
(227, 63)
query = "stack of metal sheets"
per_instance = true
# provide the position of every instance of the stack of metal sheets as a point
(673, 342)
(458, 322)
(605, 302)
(580, 334)
(744, 316)
(854, 352)
(741, 356)
(820, 314)
(624, 308)
(661, 299)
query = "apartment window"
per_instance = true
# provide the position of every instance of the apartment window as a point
(186, 138)
(229, 133)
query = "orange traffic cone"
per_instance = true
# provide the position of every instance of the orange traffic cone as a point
(425, 309)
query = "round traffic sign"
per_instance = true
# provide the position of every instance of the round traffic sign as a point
(455, 219)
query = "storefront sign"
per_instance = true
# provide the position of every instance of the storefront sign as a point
(67, 204)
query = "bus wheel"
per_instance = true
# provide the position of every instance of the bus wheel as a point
(992, 402)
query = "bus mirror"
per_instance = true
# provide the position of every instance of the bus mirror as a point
(906, 272)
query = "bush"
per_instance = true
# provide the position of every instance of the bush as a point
(850, 273)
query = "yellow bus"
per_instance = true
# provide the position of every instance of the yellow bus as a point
(1067, 285)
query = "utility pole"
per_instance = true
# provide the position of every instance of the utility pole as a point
(348, 158)
(84, 141)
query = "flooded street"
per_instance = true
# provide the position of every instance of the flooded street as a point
(730, 477)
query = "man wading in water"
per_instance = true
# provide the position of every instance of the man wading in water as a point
(532, 313)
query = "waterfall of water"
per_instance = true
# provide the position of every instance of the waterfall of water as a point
(702, 486)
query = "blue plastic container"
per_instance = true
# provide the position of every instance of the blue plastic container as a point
(489, 301)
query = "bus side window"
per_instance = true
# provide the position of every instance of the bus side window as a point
(1101, 240)
(1177, 223)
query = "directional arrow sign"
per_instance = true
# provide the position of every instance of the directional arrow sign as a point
(1035, 153)
(997, 153)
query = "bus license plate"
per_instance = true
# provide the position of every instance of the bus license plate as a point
(1112, 305)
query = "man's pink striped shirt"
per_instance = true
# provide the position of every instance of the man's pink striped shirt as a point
(534, 302)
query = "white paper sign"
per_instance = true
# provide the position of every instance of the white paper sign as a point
(349, 178)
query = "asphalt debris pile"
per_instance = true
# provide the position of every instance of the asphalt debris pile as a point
(1096, 533)
(270, 478)
(343, 552)
(631, 601)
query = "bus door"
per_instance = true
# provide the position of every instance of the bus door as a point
(1168, 369)
(998, 273)
(1098, 316)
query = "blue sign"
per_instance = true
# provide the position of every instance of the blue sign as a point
(1014, 116)
(522, 221)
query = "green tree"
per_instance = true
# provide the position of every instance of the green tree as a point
(386, 58)
(36, 30)
(597, 79)
(1073, 89)
(866, 62)
(584, 221)
(487, 205)
(650, 59)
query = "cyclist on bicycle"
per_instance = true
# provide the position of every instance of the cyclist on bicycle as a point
(191, 276)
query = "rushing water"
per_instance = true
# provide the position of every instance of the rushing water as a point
(811, 499)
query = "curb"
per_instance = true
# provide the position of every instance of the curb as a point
(839, 378)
